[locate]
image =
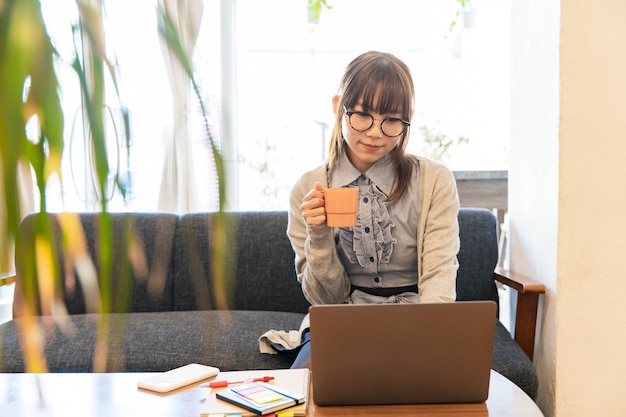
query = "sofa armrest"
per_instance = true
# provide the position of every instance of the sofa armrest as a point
(528, 292)
(7, 279)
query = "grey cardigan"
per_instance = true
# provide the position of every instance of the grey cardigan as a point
(319, 269)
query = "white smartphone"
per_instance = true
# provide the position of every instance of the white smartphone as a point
(178, 377)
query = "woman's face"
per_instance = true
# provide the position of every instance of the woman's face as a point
(367, 147)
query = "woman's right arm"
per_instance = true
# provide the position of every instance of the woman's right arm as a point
(323, 277)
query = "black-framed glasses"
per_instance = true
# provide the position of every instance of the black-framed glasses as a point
(361, 122)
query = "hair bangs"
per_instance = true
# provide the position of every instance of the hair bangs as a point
(383, 92)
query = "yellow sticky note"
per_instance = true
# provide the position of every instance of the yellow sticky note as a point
(266, 397)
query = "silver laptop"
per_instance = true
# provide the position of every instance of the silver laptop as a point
(402, 353)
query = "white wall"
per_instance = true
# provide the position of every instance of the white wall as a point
(534, 165)
(568, 196)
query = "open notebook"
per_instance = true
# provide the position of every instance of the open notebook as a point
(402, 353)
(294, 380)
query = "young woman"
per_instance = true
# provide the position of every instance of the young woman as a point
(403, 248)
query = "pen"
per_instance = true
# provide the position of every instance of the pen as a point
(216, 384)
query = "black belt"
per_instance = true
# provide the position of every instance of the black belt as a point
(385, 292)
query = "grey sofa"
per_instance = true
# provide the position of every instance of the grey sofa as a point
(182, 324)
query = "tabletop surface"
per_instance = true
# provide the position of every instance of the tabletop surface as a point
(116, 394)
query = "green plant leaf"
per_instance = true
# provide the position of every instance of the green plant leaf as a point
(28, 88)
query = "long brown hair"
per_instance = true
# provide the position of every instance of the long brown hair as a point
(384, 77)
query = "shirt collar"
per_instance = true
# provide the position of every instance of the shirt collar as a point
(382, 173)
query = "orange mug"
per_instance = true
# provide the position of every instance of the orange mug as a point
(341, 205)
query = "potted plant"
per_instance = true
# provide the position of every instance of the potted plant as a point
(314, 10)
(467, 12)
(438, 144)
(29, 94)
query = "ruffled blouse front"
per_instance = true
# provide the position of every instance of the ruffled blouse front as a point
(371, 240)
(380, 251)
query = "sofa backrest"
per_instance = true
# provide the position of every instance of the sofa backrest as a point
(265, 277)
(170, 266)
(141, 277)
(173, 269)
(478, 255)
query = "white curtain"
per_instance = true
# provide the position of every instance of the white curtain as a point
(178, 185)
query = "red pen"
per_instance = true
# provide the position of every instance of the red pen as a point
(216, 384)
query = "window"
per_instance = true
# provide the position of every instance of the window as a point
(277, 94)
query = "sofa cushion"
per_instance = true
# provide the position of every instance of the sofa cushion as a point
(159, 341)
(148, 288)
(510, 360)
(265, 277)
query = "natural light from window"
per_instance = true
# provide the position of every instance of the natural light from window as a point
(286, 72)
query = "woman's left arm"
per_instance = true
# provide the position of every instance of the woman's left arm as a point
(438, 234)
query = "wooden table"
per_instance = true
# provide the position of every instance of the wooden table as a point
(110, 395)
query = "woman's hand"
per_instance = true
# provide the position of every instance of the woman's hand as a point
(312, 206)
